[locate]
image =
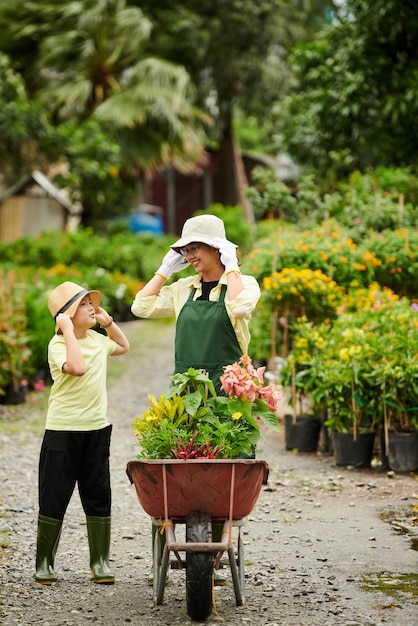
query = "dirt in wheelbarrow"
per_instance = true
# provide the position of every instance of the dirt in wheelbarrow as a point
(324, 545)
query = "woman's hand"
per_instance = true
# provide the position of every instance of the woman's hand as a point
(172, 262)
(228, 252)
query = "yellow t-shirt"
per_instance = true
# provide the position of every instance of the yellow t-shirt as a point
(79, 402)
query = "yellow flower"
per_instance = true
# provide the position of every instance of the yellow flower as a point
(236, 416)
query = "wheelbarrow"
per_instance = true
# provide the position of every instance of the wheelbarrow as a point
(198, 493)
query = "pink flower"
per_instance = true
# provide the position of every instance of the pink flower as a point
(39, 385)
(241, 380)
(270, 396)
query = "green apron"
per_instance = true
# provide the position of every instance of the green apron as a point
(205, 338)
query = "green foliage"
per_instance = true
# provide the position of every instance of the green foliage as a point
(191, 417)
(14, 335)
(383, 198)
(125, 112)
(379, 200)
(24, 127)
(124, 252)
(355, 236)
(97, 171)
(271, 197)
(355, 104)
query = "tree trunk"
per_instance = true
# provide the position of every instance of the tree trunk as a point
(231, 178)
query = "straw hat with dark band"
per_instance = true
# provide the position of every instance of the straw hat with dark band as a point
(66, 297)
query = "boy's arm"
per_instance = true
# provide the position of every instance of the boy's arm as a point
(114, 332)
(74, 363)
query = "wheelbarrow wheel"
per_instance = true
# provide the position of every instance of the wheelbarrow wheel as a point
(199, 567)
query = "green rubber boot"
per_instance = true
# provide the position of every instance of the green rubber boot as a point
(98, 532)
(49, 532)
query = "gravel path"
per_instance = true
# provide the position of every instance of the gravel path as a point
(315, 539)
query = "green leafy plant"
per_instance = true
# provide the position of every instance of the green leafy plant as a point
(191, 421)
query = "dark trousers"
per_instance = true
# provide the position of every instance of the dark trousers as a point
(70, 457)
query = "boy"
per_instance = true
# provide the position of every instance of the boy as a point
(76, 442)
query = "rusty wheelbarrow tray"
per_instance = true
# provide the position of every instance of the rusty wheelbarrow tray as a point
(198, 492)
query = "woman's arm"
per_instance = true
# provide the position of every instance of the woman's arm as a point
(153, 287)
(234, 284)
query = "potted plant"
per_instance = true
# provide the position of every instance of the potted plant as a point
(191, 421)
(332, 362)
(363, 370)
(302, 427)
(397, 376)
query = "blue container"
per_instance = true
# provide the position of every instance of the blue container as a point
(141, 222)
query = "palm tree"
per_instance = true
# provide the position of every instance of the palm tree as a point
(89, 60)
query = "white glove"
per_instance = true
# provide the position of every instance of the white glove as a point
(172, 262)
(228, 252)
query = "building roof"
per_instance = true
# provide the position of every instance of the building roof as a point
(40, 179)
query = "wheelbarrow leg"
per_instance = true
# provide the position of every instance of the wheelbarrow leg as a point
(241, 563)
(238, 590)
(162, 575)
(160, 567)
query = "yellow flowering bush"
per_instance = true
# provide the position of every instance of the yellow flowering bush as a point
(327, 248)
(293, 293)
(302, 292)
(368, 298)
(397, 253)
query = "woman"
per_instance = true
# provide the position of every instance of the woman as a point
(212, 309)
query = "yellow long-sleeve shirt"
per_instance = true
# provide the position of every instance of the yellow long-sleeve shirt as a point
(170, 300)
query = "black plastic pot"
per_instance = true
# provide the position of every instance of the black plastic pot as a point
(353, 453)
(304, 434)
(13, 395)
(403, 452)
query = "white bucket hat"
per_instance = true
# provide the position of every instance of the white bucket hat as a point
(200, 229)
(66, 297)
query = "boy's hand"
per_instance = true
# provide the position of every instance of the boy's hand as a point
(64, 322)
(102, 317)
